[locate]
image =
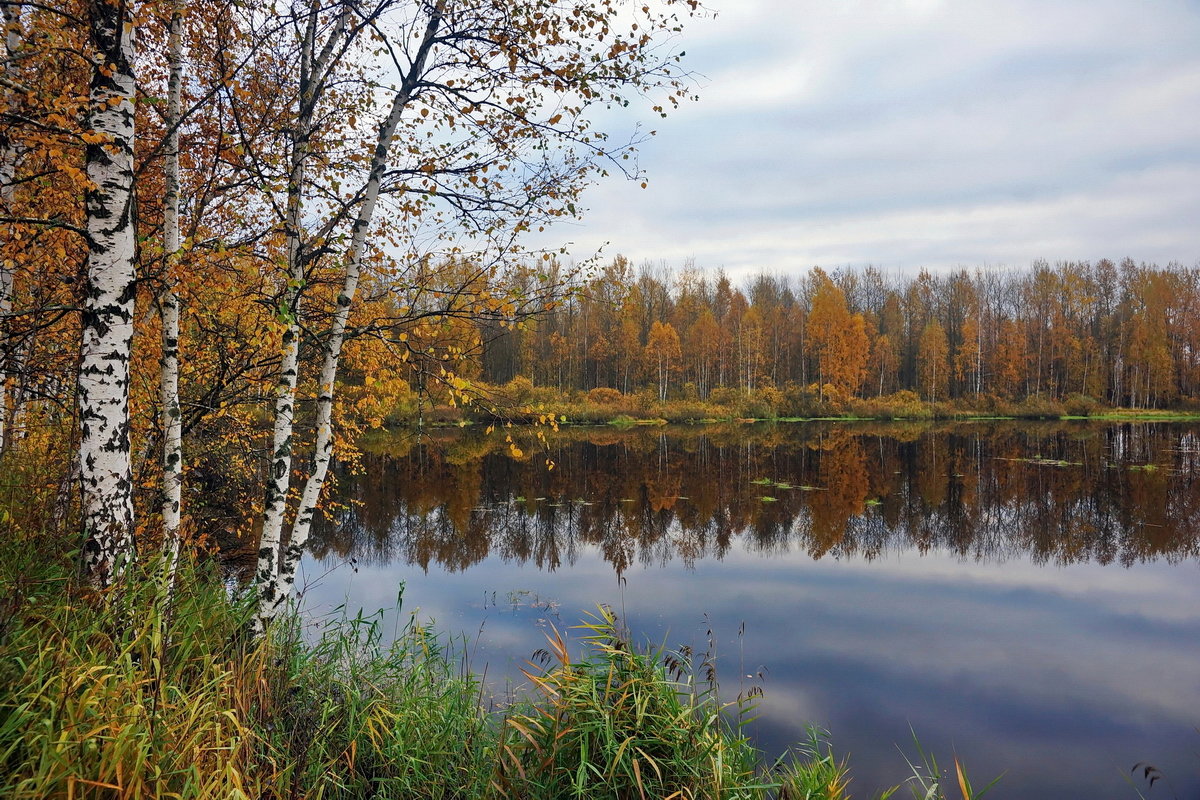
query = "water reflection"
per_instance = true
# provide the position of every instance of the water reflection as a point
(1058, 493)
(1025, 596)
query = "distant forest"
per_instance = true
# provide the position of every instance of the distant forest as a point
(1123, 334)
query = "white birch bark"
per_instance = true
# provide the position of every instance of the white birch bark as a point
(172, 420)
(313, 73)
(104, 457)
(9, 156)
(270, 595)
(323, 450)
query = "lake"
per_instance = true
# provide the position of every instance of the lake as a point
(1023, 595)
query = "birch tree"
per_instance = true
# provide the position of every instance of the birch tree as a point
(107, 319)
(484, 136)
(10, 87)
(275, 576)
(172, 416)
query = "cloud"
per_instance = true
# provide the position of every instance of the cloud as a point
(922, 133)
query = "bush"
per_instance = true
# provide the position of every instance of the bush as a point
(725, 396)
(689, 411)
(765, 403)
(604, 396)
(901, 405)
(1080, 405)
(518, 391)
(1036, 407)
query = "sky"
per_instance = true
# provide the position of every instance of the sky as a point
(920, 133)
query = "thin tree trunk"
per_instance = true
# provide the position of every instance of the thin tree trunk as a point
(279, 479)
(10, 154)
(979, 358)
(279, 475)
(275, 588)
(105, 469)
(172, 419)
(324, 445)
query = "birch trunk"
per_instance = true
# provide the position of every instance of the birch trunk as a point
(270, 593)
(105, 469)
(172, 420)
(9, 156)
(313, 72)
(323, 451)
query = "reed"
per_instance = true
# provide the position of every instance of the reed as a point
(812, 772)
(930, 781)
(122, 696)
(126, 695)
(623, 724)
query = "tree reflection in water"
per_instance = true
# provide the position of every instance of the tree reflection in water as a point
(1053, 492)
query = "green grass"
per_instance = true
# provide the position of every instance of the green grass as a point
(117, 696)
(106, 700)
(122, 695)
(930, 781)
(622, 723)
(812, 772)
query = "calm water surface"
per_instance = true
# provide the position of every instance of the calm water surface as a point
(1024, 595)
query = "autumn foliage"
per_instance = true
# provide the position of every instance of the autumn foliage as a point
(1073, 333)
(304, 316)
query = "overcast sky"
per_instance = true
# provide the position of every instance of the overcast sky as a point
(911, 133)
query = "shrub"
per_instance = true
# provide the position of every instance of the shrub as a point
(1037, 407)
(901, 405)
(1080, 405)
(767, 402)
(689, 411)
(725, 396)
(803, 401)
(604, 396)
(518, 391)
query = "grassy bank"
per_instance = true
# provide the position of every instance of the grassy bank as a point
(521, 402)
(122, 696)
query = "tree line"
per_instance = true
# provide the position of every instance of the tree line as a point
(1121, 333)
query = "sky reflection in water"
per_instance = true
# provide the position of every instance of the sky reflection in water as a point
(1023, 596)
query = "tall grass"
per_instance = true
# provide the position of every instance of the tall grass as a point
(930, 781)
(624, 724)
(814, 773)
(350, 717)
(114, 699)
(125, 695)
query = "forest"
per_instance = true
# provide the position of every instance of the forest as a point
(1117, 334)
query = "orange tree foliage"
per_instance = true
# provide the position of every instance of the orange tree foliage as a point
(838, 338)
(1122, 334)
(498, 141)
